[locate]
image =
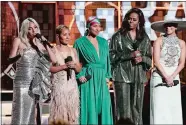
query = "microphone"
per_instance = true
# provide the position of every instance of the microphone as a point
(69, 71)
(176, 82)
(88, 77)
(39, 36)
(135, 46)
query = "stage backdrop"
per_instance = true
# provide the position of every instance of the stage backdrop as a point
(74, 15)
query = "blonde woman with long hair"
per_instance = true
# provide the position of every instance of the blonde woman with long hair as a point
(32, 79)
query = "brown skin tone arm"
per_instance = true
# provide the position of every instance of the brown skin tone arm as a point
(71, 64)
(55, 69)
(75, 64)
(55, 66)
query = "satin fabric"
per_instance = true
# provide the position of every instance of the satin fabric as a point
(95, 102)
(129, 78)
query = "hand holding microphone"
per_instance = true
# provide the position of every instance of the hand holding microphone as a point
(43, 40)
(71, 65)
(136, 55)
(68, 62)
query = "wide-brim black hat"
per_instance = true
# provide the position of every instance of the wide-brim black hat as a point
(159, 25)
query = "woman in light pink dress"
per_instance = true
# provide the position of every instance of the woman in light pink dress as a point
(65, 96)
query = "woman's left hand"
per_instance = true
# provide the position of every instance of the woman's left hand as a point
(109, 83)
(107, 80)
(138, 59)
(169, 80)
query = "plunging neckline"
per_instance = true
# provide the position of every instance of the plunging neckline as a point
(97, 52)
(129, 35)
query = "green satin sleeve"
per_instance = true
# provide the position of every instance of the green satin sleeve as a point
(115, 55)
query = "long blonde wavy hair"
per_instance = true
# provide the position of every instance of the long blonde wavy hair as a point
(24, 30)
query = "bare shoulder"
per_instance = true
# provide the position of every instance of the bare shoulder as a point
(54, 49)
(16, 41)
(182, 43)
(74, 50)
(158, 41)
(15, 47)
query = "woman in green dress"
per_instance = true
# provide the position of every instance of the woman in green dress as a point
(93, 52)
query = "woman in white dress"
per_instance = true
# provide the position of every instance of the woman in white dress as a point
(169, 60)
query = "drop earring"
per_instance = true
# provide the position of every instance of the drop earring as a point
(138, 27)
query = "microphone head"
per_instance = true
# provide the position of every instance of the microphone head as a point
(88, 77)
(38, 35)
(69, 58)
(135, 46)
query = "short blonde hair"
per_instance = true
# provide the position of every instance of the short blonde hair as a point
(59, 29)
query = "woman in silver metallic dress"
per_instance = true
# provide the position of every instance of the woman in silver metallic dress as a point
(32, 79)
(169, 60)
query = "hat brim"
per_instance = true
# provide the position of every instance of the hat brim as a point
(159, 25)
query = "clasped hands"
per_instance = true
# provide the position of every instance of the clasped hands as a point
(136, 55)
(169, 80)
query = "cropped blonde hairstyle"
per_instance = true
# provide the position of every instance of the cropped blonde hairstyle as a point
(24, 30)
(59, 29)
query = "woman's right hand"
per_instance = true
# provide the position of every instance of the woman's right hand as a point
(169, 80)
(82, 79)
(64, 67)
(135, 54)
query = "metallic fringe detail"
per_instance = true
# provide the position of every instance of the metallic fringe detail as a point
(64, 99)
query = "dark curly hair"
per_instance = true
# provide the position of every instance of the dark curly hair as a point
(125, 24)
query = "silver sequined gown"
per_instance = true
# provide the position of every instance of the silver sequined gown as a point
(23, 107)
(166, 101)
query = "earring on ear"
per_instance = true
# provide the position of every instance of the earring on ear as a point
(138, 26)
